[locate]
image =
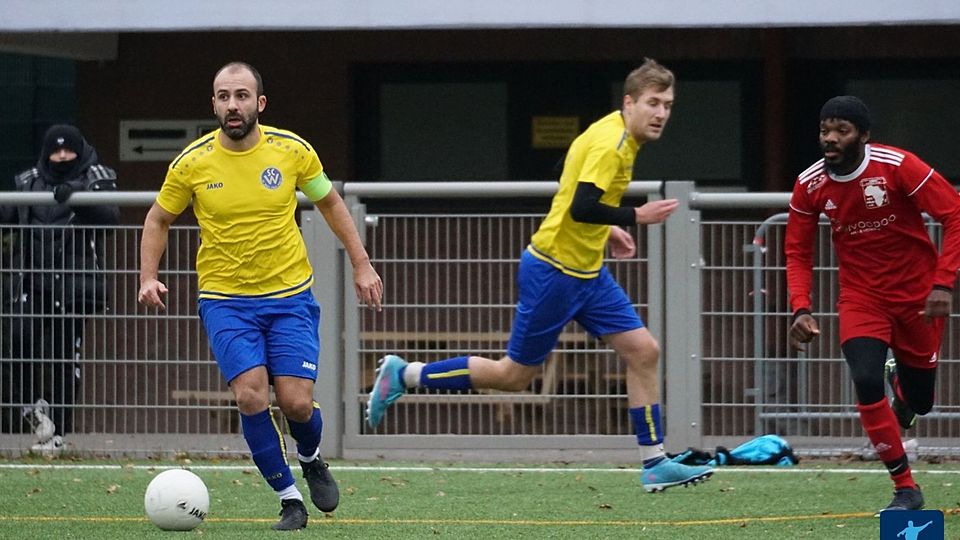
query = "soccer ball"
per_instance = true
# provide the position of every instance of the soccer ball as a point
(176, 500)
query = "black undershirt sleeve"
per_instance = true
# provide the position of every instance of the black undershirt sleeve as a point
(587, 208)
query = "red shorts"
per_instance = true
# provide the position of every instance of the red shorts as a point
(914, 341)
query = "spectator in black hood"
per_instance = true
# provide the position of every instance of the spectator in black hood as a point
(52, 283)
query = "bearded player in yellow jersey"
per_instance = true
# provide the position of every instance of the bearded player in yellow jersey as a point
(255, 301)
(562, 278)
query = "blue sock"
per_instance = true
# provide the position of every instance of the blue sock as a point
(307, 434)
(449, 374)
(648, 427)
(268, 449)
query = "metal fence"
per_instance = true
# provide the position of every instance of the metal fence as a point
(712, 290)
(753, 383)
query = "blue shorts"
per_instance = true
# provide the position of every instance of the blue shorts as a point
(279, 333)
(549, 299)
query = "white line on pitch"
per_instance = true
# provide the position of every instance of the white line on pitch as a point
(374, 468)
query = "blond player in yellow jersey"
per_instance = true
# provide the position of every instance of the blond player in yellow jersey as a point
(562, 278)
(255, 301)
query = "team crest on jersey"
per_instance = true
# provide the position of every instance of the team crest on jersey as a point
(271, 178)
(875, 192)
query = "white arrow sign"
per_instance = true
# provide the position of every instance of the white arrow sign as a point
(159, 140)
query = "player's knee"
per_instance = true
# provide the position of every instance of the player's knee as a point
(515, 377)
(249, 400)
(868, 386)
(298, 409)
(516, 382)
(651, 351)
(922, 405)
(645, 356)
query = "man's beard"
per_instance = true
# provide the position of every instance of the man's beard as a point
(238, 133)
(847, 161)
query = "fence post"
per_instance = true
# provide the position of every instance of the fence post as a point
(681, 339)
(326, 256)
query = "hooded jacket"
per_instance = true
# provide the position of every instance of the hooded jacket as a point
(55, 266)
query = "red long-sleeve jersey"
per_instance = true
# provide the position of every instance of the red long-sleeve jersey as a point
(883, 248)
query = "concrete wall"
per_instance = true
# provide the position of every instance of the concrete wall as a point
(310, 76)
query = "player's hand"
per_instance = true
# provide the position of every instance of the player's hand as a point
(151, 293)
(802, 331)
(655, 211)
(621, 244)
(939, 303)
(368, 286)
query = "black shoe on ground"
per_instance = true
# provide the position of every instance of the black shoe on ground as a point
(906, 499)
(906, 417)
(293, 516)
(324, 491)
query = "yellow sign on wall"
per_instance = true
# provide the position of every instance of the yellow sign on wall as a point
(554, 131)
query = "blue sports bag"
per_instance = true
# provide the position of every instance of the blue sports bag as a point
(763, 450)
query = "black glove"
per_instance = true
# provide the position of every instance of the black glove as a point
(62, 192)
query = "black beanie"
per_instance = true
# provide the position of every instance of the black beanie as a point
(850, 108)
(62, 136)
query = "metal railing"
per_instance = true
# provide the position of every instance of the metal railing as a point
(713, 296)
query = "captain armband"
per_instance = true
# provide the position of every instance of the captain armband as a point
(317, 188)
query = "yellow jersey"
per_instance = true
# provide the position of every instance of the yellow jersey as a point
(245, 203)
(602, 155)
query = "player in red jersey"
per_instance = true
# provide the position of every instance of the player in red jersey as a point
(895, 288)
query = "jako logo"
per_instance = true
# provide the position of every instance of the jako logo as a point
(309, 365)
(196, 512)
(215, 185)
(271, 178)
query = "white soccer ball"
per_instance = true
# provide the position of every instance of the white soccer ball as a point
(176, 500)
